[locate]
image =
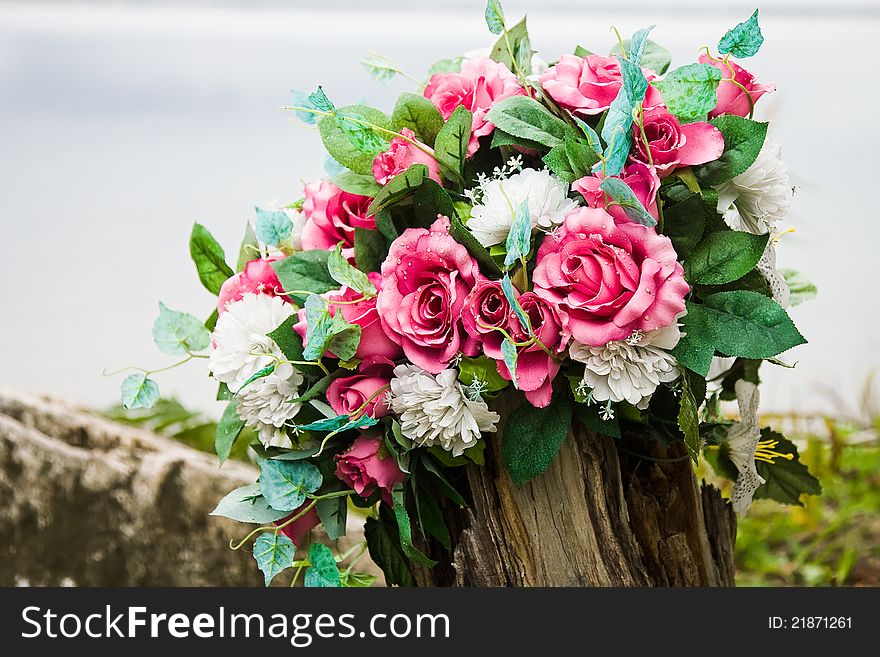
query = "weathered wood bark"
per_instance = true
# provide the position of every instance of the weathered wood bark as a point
(89, 502)
(606, 513)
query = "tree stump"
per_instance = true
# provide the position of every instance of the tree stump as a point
(608, 512)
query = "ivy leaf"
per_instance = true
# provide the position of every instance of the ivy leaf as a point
(246, 504)
(272, 226)
(323, 572)
(494, 16)
(623, 195)
(800, 289)
(519, 239)
(318, 99)
(284, 484)
(510, 295)
(208, 256)
(743, 140)
(344, 274)
(786, 479)
(273, 553)
(689, 420)
(637, 45)
(744, 40)
(654, 56)
(306, 271)
(301, 99)
(689, 92)
(617, 128)
(137, 391)
(508, 351)
(451, 144)
(525, 117)
(325, 332)
(381, 69)
(533, 437)
(405, 529)
(351, 144)
(176, 333)
(333, 513)
(228, 429)
(363, 137)
(724, 256)
(419, 114)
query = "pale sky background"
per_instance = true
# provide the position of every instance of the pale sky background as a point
(121, 123)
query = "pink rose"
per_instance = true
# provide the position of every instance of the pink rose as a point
(400, 156)
(364, 468)
(732, 99)
(349, 394)
(641, 178)
(481, 83)
(611, 277)
(673, 144)
(332, 215)
(258, 277)
(374, 341)
(588, 85)
(425, 280)
(297, 530)
(486, 308)
(535, 369)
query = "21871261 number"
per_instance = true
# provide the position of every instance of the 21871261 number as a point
(810, 623)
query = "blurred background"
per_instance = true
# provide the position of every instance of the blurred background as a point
(123, 122)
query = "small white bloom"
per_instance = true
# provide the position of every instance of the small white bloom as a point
(742, 438)
(775, 280)
(492, 219)
(758, 198)
(242, 347)
(629, 370)
(265, 404)
(436, 410)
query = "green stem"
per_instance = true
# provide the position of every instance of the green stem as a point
(644, 136)
(733, 81)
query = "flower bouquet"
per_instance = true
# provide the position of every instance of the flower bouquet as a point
(586, 243)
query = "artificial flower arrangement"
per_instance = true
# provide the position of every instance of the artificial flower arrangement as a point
(593, 235)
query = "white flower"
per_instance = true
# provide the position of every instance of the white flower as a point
(742, 438)
(629, 370)
(242, 347)
(265, 404)
(299, 221)
(436, 410)
(760, 196)
(491, 220)
(775, 280)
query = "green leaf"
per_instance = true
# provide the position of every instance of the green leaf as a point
(259, 374)
(508, 350)
(724, 256)
(685, 223)
(623, 195)
(513, 300)
(318, 99)
(419, 114)
(358, 580)
(557, 161)
(445, 66)
(518, 37)
(738, 323)
(323, 572)
(208, 256)
(618, 120)
(451, 145)
(785, 480)
(370, 249)
(273, 552)
(689, 420)
(346, 275)
(176, 333)
(383, 541)
(246, 504)
(361, 134)
(484, 370)
(301, 99)
(689, 92)
(519, 239)
(743, 140)
(272, 226)
(361, 184)
(580, 51)
(430, 517)
(337, 134)
(287, 339)
(637, 45)
(494, 16)
(582, 155)
(799, 287)
(249, 249)
(405, 530)
(525, 117)
(592, 137)
(381, 69)
(137, 391)
(463, 236)
(228, 429)
(501, 138)
(654, 56)
(588, 415)
(306, 271)
(400, 187)
(446, 488)
(533, 437)
(285, 483)
(429, 200)
(744, 40)
(333, 513)
(325, 332)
